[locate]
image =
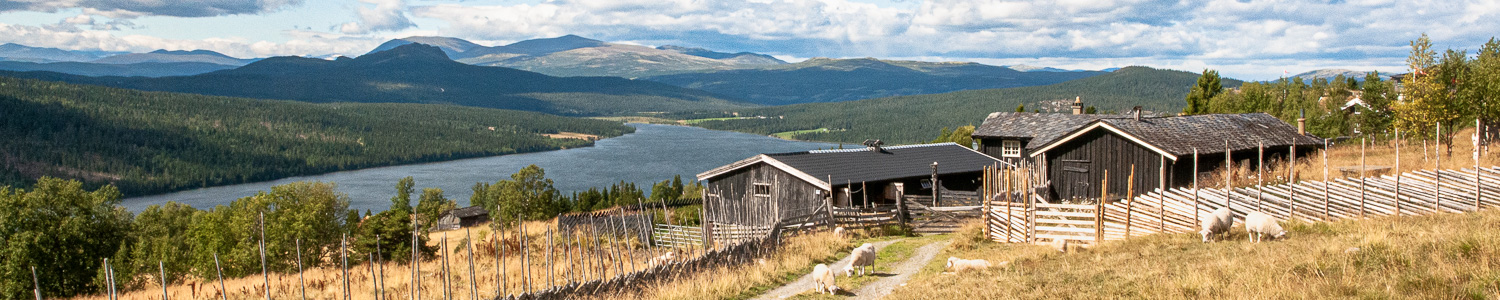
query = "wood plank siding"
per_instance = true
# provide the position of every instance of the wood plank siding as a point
(789, 196)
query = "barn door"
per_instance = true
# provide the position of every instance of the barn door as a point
(1075, 178)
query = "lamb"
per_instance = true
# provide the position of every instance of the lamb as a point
(823, 279)
(664, 258)
(959, 265)
(861, 257)
(839, 231)
(1218, 222)
(1061, 245)
(1259, 225)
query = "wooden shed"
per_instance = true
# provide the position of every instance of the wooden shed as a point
(462, 217)
(770, 188)
(1160, 149)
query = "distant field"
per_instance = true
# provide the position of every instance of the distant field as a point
(791, 134)
(696, 121)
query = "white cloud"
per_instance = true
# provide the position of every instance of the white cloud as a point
(134, 8)
(386, 15)
(300, 43)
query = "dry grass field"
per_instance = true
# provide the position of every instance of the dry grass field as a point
(1445, 256)
(794, 259)
(327, 282)
(1347, 154)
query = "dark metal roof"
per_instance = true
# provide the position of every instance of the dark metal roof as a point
(1040, 128)
(1180, 135)
(466, 212)
(856, 165)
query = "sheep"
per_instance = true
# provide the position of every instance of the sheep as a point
(861, 257)
(1218, 222)
(1061, 245)
(664, 258)
(823, 279)
(1259, 225)
(959, 265)
(839, 231)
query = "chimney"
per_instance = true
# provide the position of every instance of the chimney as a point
(1302, 122)
(1077, 105)
(873, 145)
(1137, 111)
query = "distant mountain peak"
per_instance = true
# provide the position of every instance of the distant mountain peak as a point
(415, 52)
(191, 52)
(550, 45)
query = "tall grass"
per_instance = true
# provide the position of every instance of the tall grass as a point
(1347, 154)
(327, 282)
(795, 258)
(1428, 257)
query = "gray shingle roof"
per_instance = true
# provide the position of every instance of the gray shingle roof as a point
(857, 165)
(1207, 133)
(1040, 128)
(467, 212)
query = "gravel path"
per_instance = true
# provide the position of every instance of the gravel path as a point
(806, 282)
(882, 287)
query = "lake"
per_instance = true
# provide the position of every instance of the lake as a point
(652, 154)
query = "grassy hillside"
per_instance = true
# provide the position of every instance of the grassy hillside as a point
(835, 80)
(913, 119)
(151, 142)
(416, 73)
(1445, 256)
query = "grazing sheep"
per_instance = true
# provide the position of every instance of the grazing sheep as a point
(839, 231)
(664, 258)
(1259, 225)
(1061, 245)
(823, 279)
(959, 265)
(1218, 222)
(861, 257)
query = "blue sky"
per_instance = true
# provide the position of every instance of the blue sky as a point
(1247, 39)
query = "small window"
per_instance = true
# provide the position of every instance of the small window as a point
(1010, 148)
(762, 190)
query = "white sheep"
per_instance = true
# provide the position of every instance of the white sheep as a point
(861, 257)
(1061, 245)
(823, 279)
(959, 265)
(664, 258)
(1259, 225)
(1218, 222)
(839, 231)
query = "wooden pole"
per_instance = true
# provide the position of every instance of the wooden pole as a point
(1477, 187)
(223, 292)
(935, 186)
(1260, 177)
(1325, 181)
(1362, 178)
(344, 255)
(1398, 172)
(416, 261)
(36, 285)
(473, 284)
(1437, 169)
(374, 283)
(1291, 178)
(551, 281)
(1195, 184)
(380, 270)
(265, 278)
(1009, 203)
(300, 282)
(447, 272)
(1104, 197)
(1161, 196)
(502, 290)
(163, 270)
(1129, 199)
(109, 274)
(1228, 164)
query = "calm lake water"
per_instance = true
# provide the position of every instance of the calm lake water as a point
(652, 154)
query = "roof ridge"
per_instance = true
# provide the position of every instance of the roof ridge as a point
(866, 149)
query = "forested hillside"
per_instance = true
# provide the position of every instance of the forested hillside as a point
(913, 119)
(416, 73)
(152, 142)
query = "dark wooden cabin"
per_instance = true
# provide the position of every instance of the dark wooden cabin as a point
(770, 188)
(1161, 149)
(462, 217)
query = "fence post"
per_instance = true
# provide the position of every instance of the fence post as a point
(1477, 200)
(984, 197)
(379, 271)
(344, 256)
(36, 286)
(163, 270)
(374, 286)
(1291, 179)
(473, 285)
(1228, 165)
(1398, 172)
(1362, 178)
(501, 289)
(1437, 170)
(1161, 196)
(935, 186)
(223, 292)
(1195, 184)
(1260, 177)
(1325, 181)
(1104, 197)
(265, 278)
(1099, 222)
(300, 282)
(1129, 199)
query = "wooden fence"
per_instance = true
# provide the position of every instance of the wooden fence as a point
(678, 236)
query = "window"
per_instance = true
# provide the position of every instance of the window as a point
(762, 190)
(1010, 148)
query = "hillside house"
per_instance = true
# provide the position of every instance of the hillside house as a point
(462, 217)
(767, 189)
(1074, 152)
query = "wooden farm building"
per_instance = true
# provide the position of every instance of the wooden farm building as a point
(462, 217)
(769, 189)
(1073, 151)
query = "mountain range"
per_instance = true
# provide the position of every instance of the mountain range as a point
(572, 55)
(834, 80)
(417, 73)
(157, 63)
(1330, 74)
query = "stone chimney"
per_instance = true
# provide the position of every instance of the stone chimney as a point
(1137, 112)
(1077, 105)
(1302, 123)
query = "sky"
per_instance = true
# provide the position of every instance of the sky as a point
(1244, 39)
